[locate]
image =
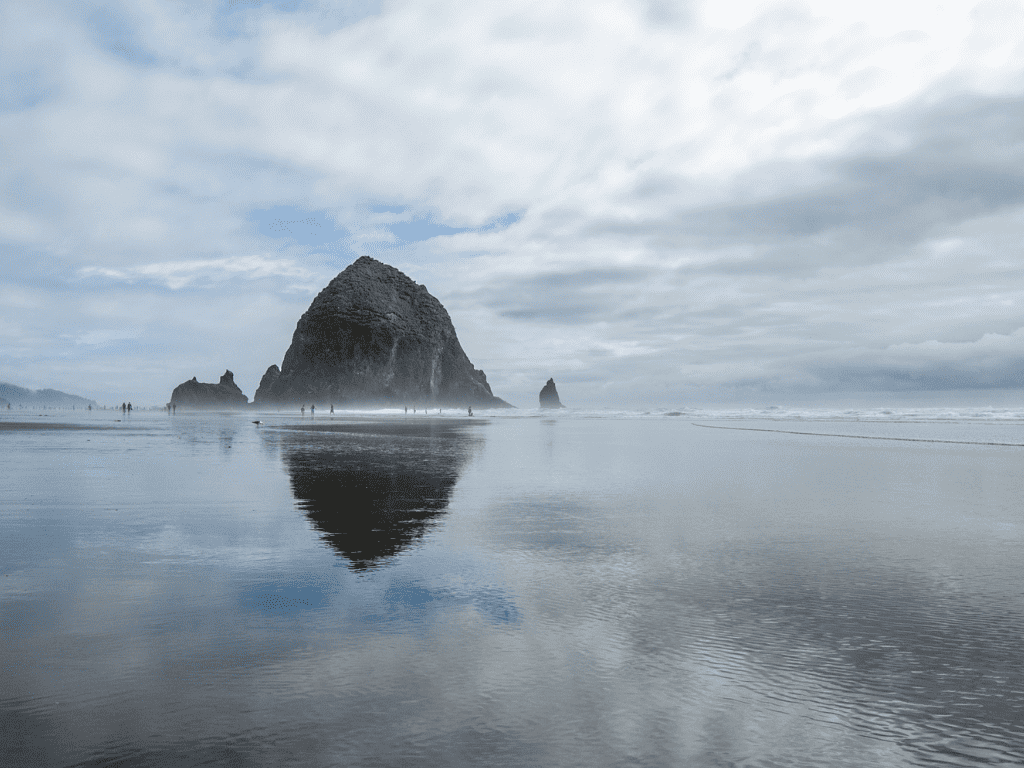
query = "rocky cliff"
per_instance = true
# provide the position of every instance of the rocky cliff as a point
(196, 394)
(374, 337)
(549, 396)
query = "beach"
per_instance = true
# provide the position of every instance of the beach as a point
(525, 588)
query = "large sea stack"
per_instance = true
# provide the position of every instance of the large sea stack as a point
(196, 394)
(549, 396)
(374, 337)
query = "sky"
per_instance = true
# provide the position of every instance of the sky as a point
(656, 203)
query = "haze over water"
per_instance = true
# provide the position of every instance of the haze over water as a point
(571, 589)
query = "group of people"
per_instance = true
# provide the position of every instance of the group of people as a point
(439, 410)
(312, 410)
(126, 407)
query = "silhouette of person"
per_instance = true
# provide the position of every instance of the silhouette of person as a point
(312, 411)
(302, 410)
(123, 407)
(332, 408)
(90, 406)
(407, 409)
(471, 410)
(129, 407)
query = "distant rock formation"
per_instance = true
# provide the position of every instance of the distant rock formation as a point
(196, 394)
(49, 398)
(374, 337)
(549, 396)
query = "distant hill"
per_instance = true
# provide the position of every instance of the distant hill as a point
(15, 395)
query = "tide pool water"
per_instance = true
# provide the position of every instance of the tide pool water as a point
(660, 588)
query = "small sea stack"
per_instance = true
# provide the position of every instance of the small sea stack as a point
(200, 395)
(549, 396)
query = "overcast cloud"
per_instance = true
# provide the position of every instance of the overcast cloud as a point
(654, 202)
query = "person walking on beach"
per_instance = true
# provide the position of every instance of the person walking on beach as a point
(129, 407)
(302, 410)
(123, 407)
(332, 409)
(471, 410)
(312, 411)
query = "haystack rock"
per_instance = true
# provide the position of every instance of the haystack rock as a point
(374, 337)
(549, 396)
(196, 394)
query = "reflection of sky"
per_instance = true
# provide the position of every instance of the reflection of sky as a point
(598, 593)
(405, 599)
(410, 597)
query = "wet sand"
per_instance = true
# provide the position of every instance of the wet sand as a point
(17, 426)
(510, 591)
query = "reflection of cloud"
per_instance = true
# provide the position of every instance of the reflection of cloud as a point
(371, 489)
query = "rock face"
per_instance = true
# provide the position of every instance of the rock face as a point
(549, 396)
(374, 337)
(196, 394)
(267, 382)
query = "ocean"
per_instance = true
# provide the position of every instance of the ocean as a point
(744, 587)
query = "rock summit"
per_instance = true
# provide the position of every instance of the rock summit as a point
(549, 396)
(375, 337)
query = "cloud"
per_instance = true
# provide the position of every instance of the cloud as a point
(741, 194)
(180, 274)
(106, 336)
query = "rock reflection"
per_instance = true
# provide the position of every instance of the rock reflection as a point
(373, 489)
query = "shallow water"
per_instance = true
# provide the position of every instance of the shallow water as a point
(520, 589)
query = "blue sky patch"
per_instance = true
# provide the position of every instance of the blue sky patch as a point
(231, 17)
(389, 208)
(503, 221)
(297, 224)
(24, 90)
(422, 229)
(115, 34)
